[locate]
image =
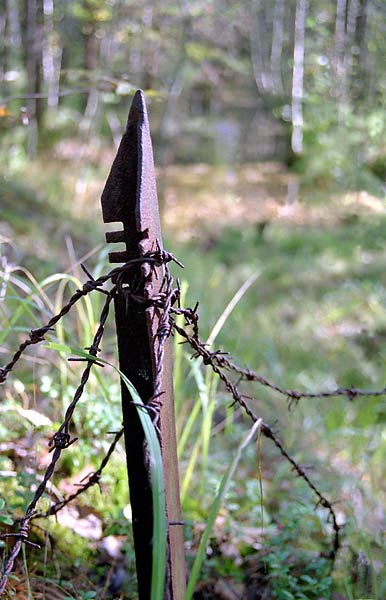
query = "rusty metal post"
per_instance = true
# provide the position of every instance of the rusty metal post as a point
(130, 197)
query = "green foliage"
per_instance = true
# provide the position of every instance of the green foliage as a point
(346, 148)
(295, 573)
(318, 318)
(315, 319)
(332, 271)
(200, 71)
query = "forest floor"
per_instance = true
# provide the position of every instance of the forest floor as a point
(316, 318)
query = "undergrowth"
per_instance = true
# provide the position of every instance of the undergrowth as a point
(314, 317)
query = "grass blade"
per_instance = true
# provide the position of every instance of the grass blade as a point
(230, 307)
(215, 509)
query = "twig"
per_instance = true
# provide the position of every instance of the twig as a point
(43, 95)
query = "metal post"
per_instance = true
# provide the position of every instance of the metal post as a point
(130, 197)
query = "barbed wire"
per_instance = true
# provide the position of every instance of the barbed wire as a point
(213, 359)
(62, 440)
(38, 335)
(166, 303)
(88, 481)
(221, 358)
(295, 395)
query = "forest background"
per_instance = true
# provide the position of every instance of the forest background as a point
(269, 128)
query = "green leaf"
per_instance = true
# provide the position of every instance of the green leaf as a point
(286, 595)
(308, 579)
(6, 520)
(89, 595)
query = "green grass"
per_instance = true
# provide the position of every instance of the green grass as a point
(314, 319)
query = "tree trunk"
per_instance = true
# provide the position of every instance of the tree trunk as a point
(297, 77)
(165, 131)
(3, 48)
(277, 45)
(339, 50)
(147, 49)
(11, 39)
(52, 54)
(33, 52)
(259, 54)
(14, 33)
(360, 29)
(360, 71)
(91, 63)
(352, 15)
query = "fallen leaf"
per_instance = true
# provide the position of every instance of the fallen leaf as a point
(34, 417)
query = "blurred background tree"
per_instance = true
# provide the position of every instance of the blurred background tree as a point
(288, 80)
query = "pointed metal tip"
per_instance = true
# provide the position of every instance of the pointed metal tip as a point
(139, 99)
(130, 191)
(138, 109)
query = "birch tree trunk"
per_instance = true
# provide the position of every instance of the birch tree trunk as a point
(10, 41)
(52, 54)
(3, 49)
(165, 132)
(297, 77)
